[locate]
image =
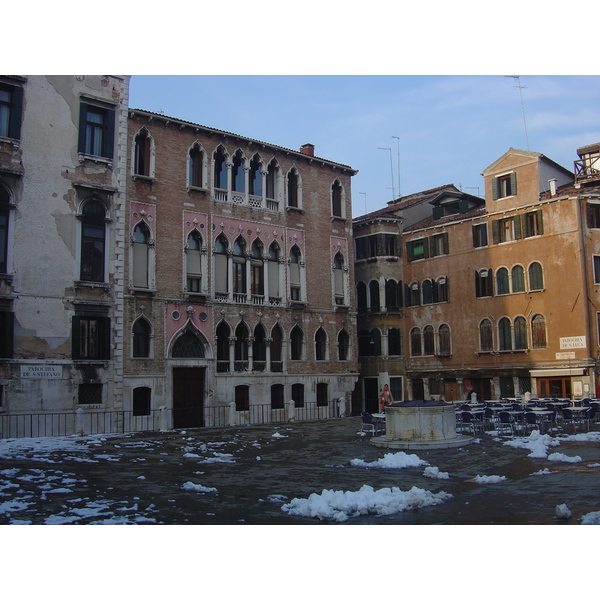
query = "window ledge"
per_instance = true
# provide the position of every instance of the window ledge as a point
(93, 285)
(140, 290)
(203, 296)
(297, 303)
(94, 406)
(297, 209)
(14, 142)
(193, 188)
(338, 218)
(342, 307)
(96, 159)
(99, 362)
(148, 178)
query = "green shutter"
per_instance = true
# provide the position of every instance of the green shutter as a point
(463, 206)
(109, 140)
(519, 226)
(82, 121)
(409, 252)
(14, 127)
(425, 249)
(496, 231)
(431, 245)
(513, 184)
(495, 188)
(446, 245)
(437, 212)
(540, 221)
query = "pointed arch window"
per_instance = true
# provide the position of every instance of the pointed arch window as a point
(238, 176)
(239, 266)
(141, 338)
(296, 343)
(241, 348)
(140, 255)
(259, 349)
(223, 333)
(220, 169)
(257, 271)
(193, 262)
(293, 184)
(276, 349)
(93, 241)
(221, 272)
(343, 345)
(142, 154)
(295, 278)
(338, 280)
(188, 345)
(320, 344)
(256, 186)
(336, 199)
(272, 173)
(196, 166)
(274, 266)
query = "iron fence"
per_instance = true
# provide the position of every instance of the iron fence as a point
(82, 422)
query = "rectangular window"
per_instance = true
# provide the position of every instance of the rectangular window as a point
(417, 249)
(503, 186)
(7, 320)
(533, 223)
(593, 215)
(91, 338)
(480, 237)
(483, 283)
(96, 130)
(11, 99)
(89, 393)
(596, 269)
(298, 395)
(322, 393)
(438, 244)
(141, 401)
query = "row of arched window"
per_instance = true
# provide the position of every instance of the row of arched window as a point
(425, 342)
(243, 349)
(513, 335)
(236, 178)
(503, 281)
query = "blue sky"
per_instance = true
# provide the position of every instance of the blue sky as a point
(447, 128)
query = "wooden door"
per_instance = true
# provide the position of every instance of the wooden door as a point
(188, 397)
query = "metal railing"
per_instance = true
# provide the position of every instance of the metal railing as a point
(82, 422)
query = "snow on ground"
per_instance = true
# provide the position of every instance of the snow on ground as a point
(536, 443)
(560, 457)
(488, 478)
(196, 487)
(545, 471)
(591, 518)
(340, 506)
(399, 460)
(435, 473)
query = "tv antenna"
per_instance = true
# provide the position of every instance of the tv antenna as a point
(398, 140)
(392, 170)
(521, 88)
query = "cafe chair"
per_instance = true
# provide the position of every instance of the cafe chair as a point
(504, 423)
(472, 422)
(589, 416)
(531, 422)
(367, 423)
(570, 417)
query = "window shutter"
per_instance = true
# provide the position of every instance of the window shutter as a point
(7, 320)
(14, 127)
(495, 188)
(513, 183)
(463, 206)
(431, 245)
(400, 294)
(274, 279)
(294, 274)
(437, 212)
(446, 244)
(109, 139)
(75, 337)
(425, 249)
(104, 341)
(484, 235)
(519, 226)
(409, 252)
(221, 273)
(496, 231)
(140, 265)
(82, 121)
(193, 262)
(540, 222)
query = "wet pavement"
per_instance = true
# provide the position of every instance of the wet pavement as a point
(243, 475)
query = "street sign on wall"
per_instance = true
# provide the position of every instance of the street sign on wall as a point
(578, 341)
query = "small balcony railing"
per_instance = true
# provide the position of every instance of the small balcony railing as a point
(587, 168)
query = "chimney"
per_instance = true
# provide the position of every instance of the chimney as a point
(552, 183)
(308, 149)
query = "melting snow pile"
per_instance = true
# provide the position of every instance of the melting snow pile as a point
(196, 487)
(560, 457)
(488, 478)
(536, 443)
(591, 518)
(435, 473)
(399, 460)
(340, 506)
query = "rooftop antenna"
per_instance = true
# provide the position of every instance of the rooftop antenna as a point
(521, 88)
(392, 170)
(398, 141)
(473, 188)
(365, 195)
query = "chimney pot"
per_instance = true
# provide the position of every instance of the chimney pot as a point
(552, 183)
(308, 149)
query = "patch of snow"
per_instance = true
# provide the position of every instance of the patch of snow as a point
(196, 487)
(591, 518)
(399, 460)
(489, 478)
(279, 435)
(562, 512)
(593, 465)
(536, 443)
(340, 506)
(560, 457)
(435, 473)
(545, 471)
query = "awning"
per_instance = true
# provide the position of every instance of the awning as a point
(556, 372)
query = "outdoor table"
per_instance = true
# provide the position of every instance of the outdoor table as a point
(378, 415)
(577, 408)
